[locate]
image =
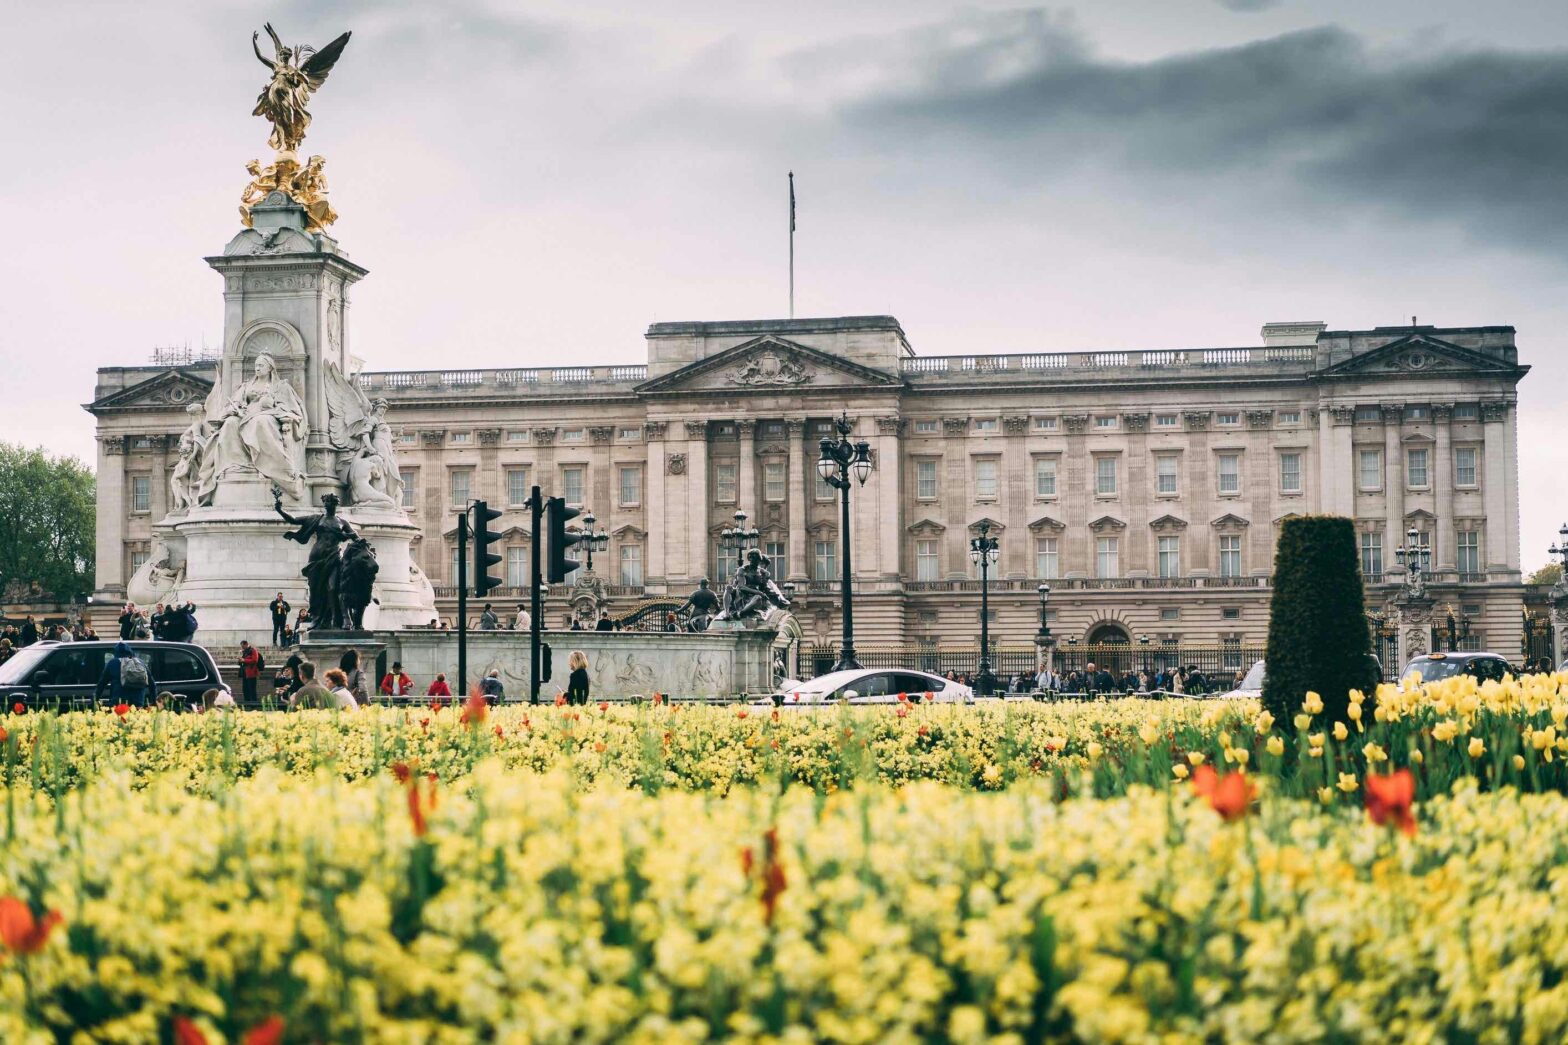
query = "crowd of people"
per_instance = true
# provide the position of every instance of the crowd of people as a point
(14, 637)
(175, 622)
(1096, 679)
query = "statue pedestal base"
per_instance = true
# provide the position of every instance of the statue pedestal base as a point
(236, 560)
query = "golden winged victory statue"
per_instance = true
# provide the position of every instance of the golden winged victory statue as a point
(297, 73)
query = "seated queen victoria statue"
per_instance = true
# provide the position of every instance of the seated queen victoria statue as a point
(263, 427)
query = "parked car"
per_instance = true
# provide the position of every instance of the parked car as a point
(1437, 666)
(872, 686)
(66, 674)
(1251, 684)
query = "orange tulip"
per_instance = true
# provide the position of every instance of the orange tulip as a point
(20, 931)
(268, 1032)
(1388, 800)
(1230, 796)
(187, 1033)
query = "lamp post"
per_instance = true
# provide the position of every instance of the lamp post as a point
(739, 538)
(1415, 557)
(983, 551)
(1143, 643)
(840, 459)
(592, 538)
(1560, 549)
(1043, 638)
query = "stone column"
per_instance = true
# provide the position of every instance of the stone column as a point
(1199, 494)
(602, 489)
(1259, 488)
(109, 536)
(800, 463)
(954, 493)
(890, 487)
(1139, 549)
(746, 473)
(1445, 545)
(1337, 460)
(1018, 493)
(161, 445)
(436, 560)
(488, 486)
(544, 462)
(1499, 478)
(1394, 475)
(697, 499)
(660, 530)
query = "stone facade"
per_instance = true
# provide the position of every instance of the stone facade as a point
(1145, 486)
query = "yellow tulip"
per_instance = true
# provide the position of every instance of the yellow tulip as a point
(1519, 763)
(1316, 740)
(1148, 734)
(1373, 753)
(1340, 732)
(1325, 795)
(1416, 756)
(1093, 750)
(1477, 747)
(1180, 771)
(1445, 730)
(1195, 757)
(1313, 705)
(1348, 782)
(1303, 720)
(1354, 711)
(1315, 752)
(1264, 723)
(1276, 746)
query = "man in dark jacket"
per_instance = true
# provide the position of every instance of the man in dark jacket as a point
(29, 632)
(127, 677)
(129, 621)
(279, 608)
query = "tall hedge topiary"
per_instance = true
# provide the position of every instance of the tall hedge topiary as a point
(1318, 637)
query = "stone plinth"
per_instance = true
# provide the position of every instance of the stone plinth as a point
(620, 663)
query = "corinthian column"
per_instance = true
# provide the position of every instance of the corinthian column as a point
(746, 478)
(697, 499)
(795, 427)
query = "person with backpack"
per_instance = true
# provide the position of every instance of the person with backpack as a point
(127, 678)
(188, 621)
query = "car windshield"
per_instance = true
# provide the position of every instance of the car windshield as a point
(21, 665)
(1433, 670)
(824, 683)
(1254, 679)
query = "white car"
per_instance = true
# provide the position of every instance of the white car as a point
(872, 686)
(1251, 686)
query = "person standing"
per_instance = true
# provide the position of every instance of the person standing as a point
(343, 700)
(439, 688)
(605, 623)
(251, 667)
(397, 683)
(577, 685)
(488, 621)
(491, 687)
(311, 694)
(522, 622)
(126, 677)
(279, 608)
(129, 619)
(357, 684)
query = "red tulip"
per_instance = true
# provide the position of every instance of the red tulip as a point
(268, 1032)
(560, 700)
(1389, 797)
(19, 708)
(604, 705)
(903, 711)
(741, 713)
(474, 710)
(401, 771)
(122, 710)
(187, 1033)
(416, 815)
(20, 931)
(1230, 796)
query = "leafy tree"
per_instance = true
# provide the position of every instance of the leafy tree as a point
(47, 520)
(1548, 575)
(1318, 636)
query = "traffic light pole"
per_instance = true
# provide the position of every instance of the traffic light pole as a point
(462, 604)
(535, 602)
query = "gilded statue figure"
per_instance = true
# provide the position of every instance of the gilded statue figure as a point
(297, 72)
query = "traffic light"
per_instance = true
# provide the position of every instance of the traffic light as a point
(484, 558)
(556, 515)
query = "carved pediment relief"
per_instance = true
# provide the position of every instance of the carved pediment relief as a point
(1046, 524)
(1168, 524)
(628, 532)
(768, 363)
(171, 389)
(996, 527)
(1107, 524)
(822, 530)
(1229, 523)
(926, 528)
(1420, 519)
(1418, 354)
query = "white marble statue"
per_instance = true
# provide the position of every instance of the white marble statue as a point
(357, 428)
(157, 580)
(192, 481)
(263, 427)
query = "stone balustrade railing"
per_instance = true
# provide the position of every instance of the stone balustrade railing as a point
(561, 378)
(1295, 358)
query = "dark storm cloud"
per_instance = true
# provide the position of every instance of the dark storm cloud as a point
(1474, 136)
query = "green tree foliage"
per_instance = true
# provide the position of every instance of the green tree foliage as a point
(47, 518)
(1548, 575)
(1318, 636)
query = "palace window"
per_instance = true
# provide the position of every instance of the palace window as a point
(1372, 554)
(1416, 470)
(460, 438)
(138, 560)
(1045, 561)
(724, 482)
(1165, 474)
(927, 561)
(1417, 413)
(1289, 417)
(141, 493)
(1467, 411)
(1369, 413)
(1230, 473)
(572, 484)
(631, 564)
(1170, 613)
(1170, 557)
(407, 438)
(1045, 477)
(458, 485)
(630, 476)
(985, 479)
(517, 567)
(1107, 557)
(925, 480)
(629, 434)
(773, 478)
(1369, 469)
(925, 427)
(1227, 419)
(1289, 473)
(1465, 470)
(1166, 420)
(517, 436)
(723, 566)
(824, 561)
(516, 486)
(1045, 424)
(1105, 422)
(410, 479)
(571, 435)
(1469, 552)
(1105, 476)
(985, 424)
(1230, 555)
(778, 559)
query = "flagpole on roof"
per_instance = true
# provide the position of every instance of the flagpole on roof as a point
(791, 244)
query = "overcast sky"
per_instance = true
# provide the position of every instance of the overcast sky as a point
(535, 183)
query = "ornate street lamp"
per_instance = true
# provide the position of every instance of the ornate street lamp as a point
(592, 538)
(739, 538)
(1043, 638)
(840, 459)
(1143, 643)
(1561, 549)
(983, 551)
(1415, 557)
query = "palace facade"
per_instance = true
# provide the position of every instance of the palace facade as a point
(1145, 486)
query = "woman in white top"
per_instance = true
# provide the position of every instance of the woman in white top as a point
(337, 682)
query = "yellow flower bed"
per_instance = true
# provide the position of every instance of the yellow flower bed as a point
(531, 910)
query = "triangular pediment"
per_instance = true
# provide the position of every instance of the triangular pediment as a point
(993, 525)
(629, 531)
(515, 532)
(1416, 354)
(172, 389)
(768, 364)
(926, 528)
(1230, 522)
(1420, 518)
(1046, 524)
(1107, 524)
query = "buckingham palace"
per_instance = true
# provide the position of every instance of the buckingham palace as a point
(1146, 486)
